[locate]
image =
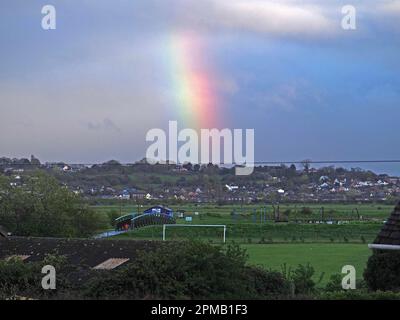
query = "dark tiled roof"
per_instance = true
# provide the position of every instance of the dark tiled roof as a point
(390, 233)
(3, 233)
(77, 251)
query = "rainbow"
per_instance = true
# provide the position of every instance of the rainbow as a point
(192, 79)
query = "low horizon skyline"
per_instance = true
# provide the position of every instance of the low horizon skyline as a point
(366, 165)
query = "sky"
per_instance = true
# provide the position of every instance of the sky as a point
(91, 89)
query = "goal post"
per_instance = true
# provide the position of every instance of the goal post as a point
(194, 226)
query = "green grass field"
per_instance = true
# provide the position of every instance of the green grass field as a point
(325, 258)
(252, 213)
(272, 245)
(267, 233)
(346, 210)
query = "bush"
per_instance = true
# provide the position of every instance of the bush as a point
(15, 276)
(334, 284)
(203, 272)
(306, 211)
(18, 278)
(302, 279)
(112, 215)
(267, 284)
(382, 272)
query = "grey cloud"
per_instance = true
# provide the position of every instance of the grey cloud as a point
(106, 125)
(289, 96)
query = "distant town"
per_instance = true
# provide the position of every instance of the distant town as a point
(210, 183)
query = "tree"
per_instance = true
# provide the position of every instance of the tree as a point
(43, 207)
(306, 165)
(188, 166)
(35, 161)
(382, 272)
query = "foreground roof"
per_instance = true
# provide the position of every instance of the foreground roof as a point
(3, 232)
(390, 233)
(82, 252)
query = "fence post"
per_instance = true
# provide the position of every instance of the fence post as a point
(224, 234)
(163, 232)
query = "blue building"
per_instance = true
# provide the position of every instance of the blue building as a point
(159, 209)
(125, 222)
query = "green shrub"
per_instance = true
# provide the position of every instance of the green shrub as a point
(382, 272)
(302, 279)
(18, 278)
(15, 277)
(112, 215)
(335, 283)
(267, 284)
(190, 270)
(306, 211)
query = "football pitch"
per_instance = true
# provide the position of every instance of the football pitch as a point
(324, 257)
(327, 248)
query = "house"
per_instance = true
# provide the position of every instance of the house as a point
(231, 187)
(324, 186)
(125, 195)
(324, 179)
(137, 194)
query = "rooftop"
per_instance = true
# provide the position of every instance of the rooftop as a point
(390, 233)
(80, 252)
(3, 233)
